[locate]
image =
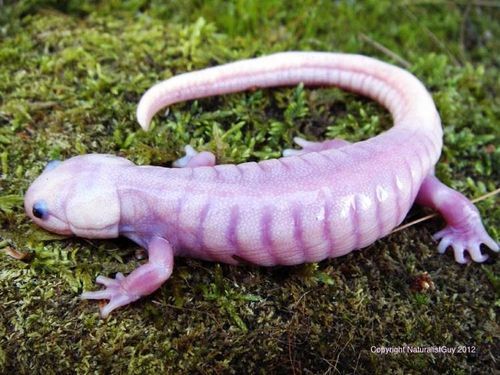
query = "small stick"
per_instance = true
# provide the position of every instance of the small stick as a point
(432, 36)
(410, 224)
(385, 50)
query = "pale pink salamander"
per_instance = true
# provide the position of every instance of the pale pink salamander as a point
(323, 201)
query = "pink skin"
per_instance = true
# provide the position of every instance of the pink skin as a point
(322, 201)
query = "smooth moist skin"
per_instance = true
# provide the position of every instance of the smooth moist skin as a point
(321, 201)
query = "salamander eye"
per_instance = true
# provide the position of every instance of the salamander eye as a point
(40, 209)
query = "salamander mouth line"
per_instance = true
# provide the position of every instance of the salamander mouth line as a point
(83, 229)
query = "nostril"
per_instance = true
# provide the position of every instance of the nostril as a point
(40, 209)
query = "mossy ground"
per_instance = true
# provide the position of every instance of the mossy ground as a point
(70, 77)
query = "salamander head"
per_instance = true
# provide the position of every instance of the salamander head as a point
(77, 196)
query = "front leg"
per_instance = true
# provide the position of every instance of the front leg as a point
(142, 281)
(465, 231)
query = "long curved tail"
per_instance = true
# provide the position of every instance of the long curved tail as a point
(398, 90)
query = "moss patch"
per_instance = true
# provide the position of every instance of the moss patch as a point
(70, 79)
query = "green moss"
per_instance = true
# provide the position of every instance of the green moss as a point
(71, 74)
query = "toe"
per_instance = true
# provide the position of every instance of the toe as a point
(181, 162)
(115, 302)
(443, 245)
(488, 241)
(106, 281)
(458, 251)
(291, 152)
(302, 142)
(440, 234)
(475, 254)
(190, 151)
(99, 294)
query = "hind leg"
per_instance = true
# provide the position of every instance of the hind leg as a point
(464, 230)
(308, 146)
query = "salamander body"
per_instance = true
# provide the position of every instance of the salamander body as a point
(322, 201)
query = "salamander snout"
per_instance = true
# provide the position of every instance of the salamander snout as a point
(77, 196)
